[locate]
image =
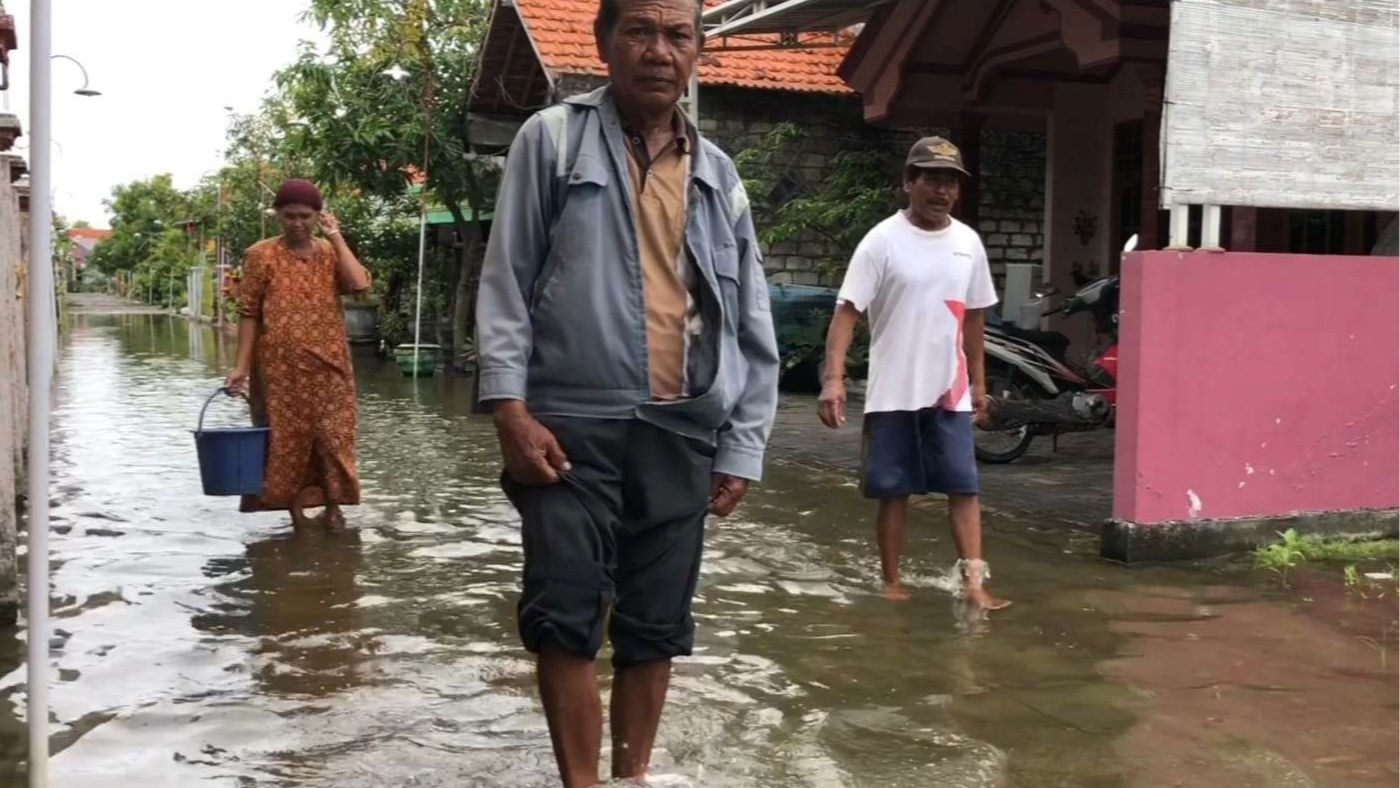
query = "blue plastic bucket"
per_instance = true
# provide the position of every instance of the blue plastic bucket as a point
(230, 458)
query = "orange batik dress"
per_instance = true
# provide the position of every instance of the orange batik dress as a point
(302, 387)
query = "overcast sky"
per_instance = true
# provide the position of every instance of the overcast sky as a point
(166, 69)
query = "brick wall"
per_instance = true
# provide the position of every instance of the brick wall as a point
(1011, 204)
(735, 121)
(1012, 213)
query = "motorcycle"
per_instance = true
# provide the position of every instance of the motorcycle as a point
(1033, 387)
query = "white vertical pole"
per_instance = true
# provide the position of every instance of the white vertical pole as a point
(418, 311)
(693, 95)
(1181, 227)
(1210, 227)
(41, 357)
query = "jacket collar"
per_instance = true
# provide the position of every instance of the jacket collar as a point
(702, 165)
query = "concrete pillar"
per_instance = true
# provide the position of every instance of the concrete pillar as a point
(1078, 213)
(1206, 470)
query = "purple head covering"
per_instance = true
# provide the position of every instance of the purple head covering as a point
(295, 191)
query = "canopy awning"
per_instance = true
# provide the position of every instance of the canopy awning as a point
(786, 16)
(438, 212)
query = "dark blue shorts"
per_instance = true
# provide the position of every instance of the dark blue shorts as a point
(919, 452)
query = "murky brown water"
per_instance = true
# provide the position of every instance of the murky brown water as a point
(201, 647)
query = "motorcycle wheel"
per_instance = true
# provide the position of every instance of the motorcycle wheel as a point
(998, 447)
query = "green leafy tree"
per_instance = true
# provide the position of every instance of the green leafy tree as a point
(62, 255)
(152, 236)
(386, 105)
(857, 193)
(256, 161)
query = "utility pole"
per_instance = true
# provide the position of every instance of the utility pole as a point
(41, 362)
(219, 257)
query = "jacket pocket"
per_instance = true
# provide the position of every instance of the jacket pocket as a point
(588, 170)
(726, 263)
(585, 195)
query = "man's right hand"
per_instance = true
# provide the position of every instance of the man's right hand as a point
(831, 407)
(531, 452)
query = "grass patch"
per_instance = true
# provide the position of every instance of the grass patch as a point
(1292, 550)
(1316, 549)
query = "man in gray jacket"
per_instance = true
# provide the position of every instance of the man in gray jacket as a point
(627, 350)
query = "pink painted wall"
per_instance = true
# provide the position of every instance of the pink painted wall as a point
(1257, 384)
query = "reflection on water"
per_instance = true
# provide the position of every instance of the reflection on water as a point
(203, 647)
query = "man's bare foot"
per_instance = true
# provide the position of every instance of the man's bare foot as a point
(984, 600)
(895, 592)
(972, 573)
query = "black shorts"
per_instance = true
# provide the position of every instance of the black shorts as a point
(619, 538)
(917, 452)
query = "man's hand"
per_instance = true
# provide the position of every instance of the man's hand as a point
(979, 405)
(725, 493)
(831, 406)
(531, 452)
(237, 381)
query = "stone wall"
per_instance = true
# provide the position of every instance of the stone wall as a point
(1012, 198)
(14, 392)
(1011, 216)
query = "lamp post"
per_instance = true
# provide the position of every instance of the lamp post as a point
(41, 357)
(42, 341)
(84, 90)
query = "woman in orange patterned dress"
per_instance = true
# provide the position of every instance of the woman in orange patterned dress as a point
(292, 345)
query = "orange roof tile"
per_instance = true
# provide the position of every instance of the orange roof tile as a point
(563, 34)
(88, 232)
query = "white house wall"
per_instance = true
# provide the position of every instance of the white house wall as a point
(1283, 104)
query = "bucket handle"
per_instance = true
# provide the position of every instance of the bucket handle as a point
(210, 401)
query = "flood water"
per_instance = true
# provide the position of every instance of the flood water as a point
(201, 647)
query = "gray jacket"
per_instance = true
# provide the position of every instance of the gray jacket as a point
(560, 320)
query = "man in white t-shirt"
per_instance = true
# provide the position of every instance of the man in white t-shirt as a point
(923, 277)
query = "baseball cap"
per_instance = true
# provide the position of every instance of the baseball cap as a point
(936, 153)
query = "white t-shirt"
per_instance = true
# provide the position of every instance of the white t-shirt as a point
(916, 286)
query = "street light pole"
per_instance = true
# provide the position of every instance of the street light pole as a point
(84, 90)
(41, 356)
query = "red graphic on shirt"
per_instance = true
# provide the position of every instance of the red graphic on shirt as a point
(950, 400)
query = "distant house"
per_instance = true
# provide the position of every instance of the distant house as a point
(538, 52)
(85, 241)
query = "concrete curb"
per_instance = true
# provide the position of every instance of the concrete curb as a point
(1127, 542)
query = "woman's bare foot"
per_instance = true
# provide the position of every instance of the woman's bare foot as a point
(895, 592)
(333, 519)
(309, 496)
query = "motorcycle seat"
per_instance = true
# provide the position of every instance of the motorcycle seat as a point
(1052, 342)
